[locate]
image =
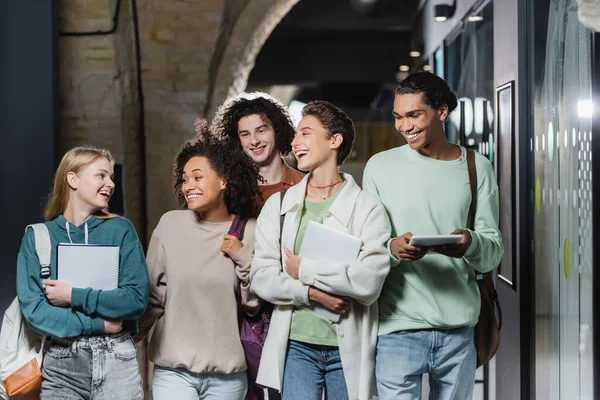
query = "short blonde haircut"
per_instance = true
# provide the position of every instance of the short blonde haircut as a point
(74, 160)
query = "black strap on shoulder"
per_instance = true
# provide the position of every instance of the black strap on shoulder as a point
(473, 183)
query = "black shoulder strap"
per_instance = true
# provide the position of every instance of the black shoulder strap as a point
(473, 183)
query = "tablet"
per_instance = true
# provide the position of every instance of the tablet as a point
(434, 240)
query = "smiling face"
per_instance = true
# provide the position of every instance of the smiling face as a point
(257, 138)
(93, 185)
(419, 123)
(202, 187)
(313, 146)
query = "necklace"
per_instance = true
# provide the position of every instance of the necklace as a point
(325, 187)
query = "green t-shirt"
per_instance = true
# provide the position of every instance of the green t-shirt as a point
(307, 326)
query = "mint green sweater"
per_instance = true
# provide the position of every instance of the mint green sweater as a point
(88, 307)
(426, 196)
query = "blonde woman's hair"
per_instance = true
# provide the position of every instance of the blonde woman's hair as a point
(74, 160)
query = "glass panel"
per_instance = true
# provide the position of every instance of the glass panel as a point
(563, 204)
(470, 73)
(438, 62)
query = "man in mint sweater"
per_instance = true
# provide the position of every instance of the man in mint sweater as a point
(430, 301)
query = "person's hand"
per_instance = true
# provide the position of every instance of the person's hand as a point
(231, 245)
(457, 250)
(333, 303)
(58, 293)
(403, 251)
(113, 325)
(292, 264)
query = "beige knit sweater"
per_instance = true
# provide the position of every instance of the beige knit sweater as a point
(192, 295)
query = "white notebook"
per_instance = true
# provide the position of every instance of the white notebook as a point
(88, 265)
(323, 243)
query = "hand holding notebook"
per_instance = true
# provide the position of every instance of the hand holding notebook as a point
(88, 265)
(323, 243)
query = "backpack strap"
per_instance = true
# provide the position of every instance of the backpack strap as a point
(43, 248)
(237, 227)
(281, 221)
(473, 183)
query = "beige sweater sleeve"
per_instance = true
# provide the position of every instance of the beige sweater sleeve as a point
(250, 302)
(158, 286)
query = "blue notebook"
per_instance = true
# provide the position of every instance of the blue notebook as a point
(88, 265)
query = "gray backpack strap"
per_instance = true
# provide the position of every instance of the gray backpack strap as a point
(43, 248)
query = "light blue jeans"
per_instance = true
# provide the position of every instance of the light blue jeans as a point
(309, 368)
(92, 368)
(181, 384)
(448, 356)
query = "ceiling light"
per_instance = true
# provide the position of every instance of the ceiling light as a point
(443, 11)
(404, 68)
(415, 54)
(475, 18)
(400, 76)
(426, 68)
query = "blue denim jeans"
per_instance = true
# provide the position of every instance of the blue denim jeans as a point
(92, 368)
(448, 356)
(309, 368)
(181, 384)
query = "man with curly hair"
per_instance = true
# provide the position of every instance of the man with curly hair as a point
(262, 126)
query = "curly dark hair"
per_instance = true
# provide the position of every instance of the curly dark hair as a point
(334, 120)
(233, 165)
(225, 123)
(435, 90)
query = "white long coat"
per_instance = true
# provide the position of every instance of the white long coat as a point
(357, 213)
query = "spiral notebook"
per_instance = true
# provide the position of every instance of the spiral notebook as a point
(88, 265)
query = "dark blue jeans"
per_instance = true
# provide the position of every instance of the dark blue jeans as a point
(448, 356)
(311, 368)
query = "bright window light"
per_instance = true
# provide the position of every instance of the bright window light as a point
(585, 108)
(295, 110)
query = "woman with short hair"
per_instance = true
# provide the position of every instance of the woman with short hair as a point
(305, 353)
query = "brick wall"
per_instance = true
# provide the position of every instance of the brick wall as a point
(98, 89)
(194, 53)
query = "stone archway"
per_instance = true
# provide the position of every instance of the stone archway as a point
(252, 29)
(222, 40)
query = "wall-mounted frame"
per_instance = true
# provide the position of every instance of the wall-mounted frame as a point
(504, 163)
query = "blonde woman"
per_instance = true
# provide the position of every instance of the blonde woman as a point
(91, 353)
